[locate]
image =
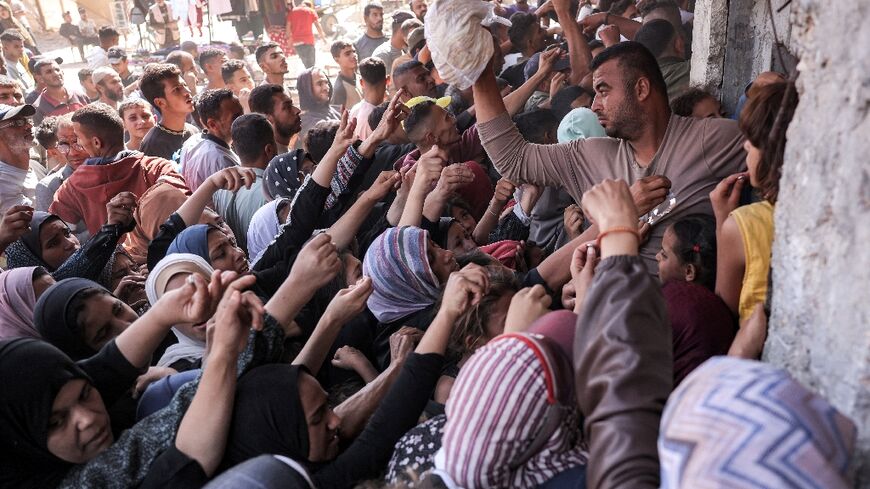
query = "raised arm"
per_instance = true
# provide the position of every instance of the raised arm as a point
(428, 172)
(453, 177)
(348, 303)
(346, 228)
(578, 50)
(202, 435)
(231, 179)
(622, 350)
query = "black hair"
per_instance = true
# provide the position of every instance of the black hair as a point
(620, 6)
(338, 46)
(695, 244)
(684, 105)
(85, 74)
(373, 71)
(102, 121)
(417, 118)
(561, 103)
(206, 55)
(595, 44)
(535, 124)
(377, 114)
(261, 50)
(237, 49)
(107, 33)
(635, 61)
(151, 83)
(208, 103)
(319, 138)
(371, 6)
(262, 98)
(230, 67)
(406, 67)
(46, 132)
(521, 26)
(251, 133)
(656, 35)
(37, 66)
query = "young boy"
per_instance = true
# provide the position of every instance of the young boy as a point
(373, 78)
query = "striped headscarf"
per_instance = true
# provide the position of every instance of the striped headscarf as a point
(746, 424)
(496, 408)
(398, 264)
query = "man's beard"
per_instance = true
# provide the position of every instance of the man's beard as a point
(287, 130)
(627, 122)
(115, 96)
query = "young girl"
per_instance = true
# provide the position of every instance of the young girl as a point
(745, 234)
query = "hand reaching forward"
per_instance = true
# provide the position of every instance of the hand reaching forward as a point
(464, 290)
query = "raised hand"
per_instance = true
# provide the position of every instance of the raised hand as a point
(583, 263)
(349, 302)
(120, 209)
(393, 117)
(428, 168)
(233, 178)
(317, 263)
(344, 137)
(402, 343)
(726, 196)
(464, 290)
(386, 182)
(548, 59)
(504, 191)
(526, 306)
(15, 223)
(610, 204)
(648, 192)
(609, 35)
(131, 291)
(573, 220)
(453, 177)
(557, 83)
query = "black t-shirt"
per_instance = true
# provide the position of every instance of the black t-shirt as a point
(165, 143)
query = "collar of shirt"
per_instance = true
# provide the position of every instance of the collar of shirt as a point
(220, 142)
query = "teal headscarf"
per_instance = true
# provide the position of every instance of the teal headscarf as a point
(580, 123)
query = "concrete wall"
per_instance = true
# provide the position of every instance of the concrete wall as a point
(820, 327)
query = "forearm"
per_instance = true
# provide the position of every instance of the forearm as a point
(516, 100)
(287, 301)
(556, 269)
(191, 210)
(488, 222)
(394, 213)
(433, 205)
(487, 98)
(202, 434)
(627, 27)
(139, 341)
(356, 410)
(412, 214)
(579, 54)
(437, 334)
(324, 170)
(345, 229)
(317, 347)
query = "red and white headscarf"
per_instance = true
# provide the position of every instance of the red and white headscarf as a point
(497, 406)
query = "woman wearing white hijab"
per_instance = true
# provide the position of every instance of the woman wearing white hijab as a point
(171, 272)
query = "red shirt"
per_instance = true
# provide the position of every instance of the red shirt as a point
(301, 20)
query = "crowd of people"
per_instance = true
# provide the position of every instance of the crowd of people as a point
(556, 277)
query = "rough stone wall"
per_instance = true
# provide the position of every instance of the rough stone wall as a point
(820, 326)
(733, 42)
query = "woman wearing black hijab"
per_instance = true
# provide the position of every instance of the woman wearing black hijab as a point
(282, 410)
(50, 244)
(53, 423)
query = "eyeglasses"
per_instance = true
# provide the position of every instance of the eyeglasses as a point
(15, 123)
(66, 147)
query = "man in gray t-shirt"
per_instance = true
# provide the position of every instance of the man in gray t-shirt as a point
(373, 15)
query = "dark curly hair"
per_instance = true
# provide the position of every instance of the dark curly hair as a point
(695, 245)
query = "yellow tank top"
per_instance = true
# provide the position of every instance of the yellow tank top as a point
(755, 222)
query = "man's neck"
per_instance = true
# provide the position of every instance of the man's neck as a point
(214, 83)
(260, 163)
(374, 34)
(111, 152)
(349, 73)
(57, 93)
(647, 144)
(275, 78)
(17, 159)
(109, 102)
(125, 73)
(173, 121)
(397, 43)
(375, 96)
(281, 139)
(9, 61)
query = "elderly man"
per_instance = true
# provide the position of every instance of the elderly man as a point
(17, 181)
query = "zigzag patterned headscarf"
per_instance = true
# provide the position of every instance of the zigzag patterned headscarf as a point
(398, 263)
(745, 424)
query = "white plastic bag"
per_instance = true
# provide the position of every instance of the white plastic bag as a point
(460, 46)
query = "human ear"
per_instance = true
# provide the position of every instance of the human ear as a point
(691, 273)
